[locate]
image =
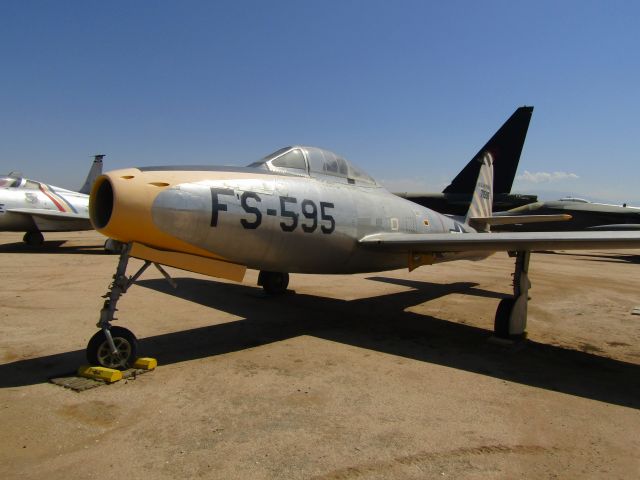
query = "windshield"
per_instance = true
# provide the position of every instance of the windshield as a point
(7, 181)
(318, 162)
(271, 156)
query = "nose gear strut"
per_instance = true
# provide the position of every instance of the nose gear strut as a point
(116, 347)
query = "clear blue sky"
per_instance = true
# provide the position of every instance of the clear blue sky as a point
(408, 90)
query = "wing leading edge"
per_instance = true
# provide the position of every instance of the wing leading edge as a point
(497, 242)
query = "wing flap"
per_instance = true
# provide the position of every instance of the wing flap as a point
(496, 242)
(515, 219)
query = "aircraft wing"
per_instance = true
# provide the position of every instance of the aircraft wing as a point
(51, 219)
(496, 242)
(618, 226)
(49, 214)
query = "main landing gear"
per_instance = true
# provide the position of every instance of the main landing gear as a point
(511, 315)
(116, 347)
(273, 283)
(33, 239)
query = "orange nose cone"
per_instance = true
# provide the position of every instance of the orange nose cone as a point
(121, 207)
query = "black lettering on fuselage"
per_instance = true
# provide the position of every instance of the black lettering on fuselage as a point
(326, 217)
(216, 206)
(254, 210)
(288, 214)
(313, 217)
(310, 212)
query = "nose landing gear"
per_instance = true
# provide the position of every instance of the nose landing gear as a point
(116, 347)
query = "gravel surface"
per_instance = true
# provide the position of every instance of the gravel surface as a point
(375, 376)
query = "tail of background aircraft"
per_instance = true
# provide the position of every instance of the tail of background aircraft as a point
(480, 214)
(505, 148)
(95, 172)
(481, 207)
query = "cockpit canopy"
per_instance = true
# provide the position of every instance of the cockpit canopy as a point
(13, 181)
(315, 162)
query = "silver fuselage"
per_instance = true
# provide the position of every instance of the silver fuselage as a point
(295, 223)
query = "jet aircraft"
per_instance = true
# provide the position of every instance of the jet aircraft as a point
(505, 147)
(585, 215)
(303, 210)
(34, 207)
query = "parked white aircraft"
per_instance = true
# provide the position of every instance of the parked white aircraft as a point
(34, 207)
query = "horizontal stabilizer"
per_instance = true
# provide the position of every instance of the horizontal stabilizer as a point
(498, 242)
(516, 219)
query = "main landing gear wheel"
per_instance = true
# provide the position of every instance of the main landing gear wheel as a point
(33, 239)
(99, 352)
(503, 315)
(112, 246)
(273, 283)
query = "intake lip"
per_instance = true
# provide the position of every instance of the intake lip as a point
(101, 203)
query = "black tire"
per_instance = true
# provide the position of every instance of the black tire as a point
(274, 283)
(111, 246)
(98, 352)
(33, 239)
(501, 322)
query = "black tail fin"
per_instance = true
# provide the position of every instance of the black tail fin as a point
(505, 148)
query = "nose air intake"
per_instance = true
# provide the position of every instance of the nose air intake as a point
(101, 203)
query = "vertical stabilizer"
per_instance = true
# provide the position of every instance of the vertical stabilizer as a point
(505, 148)
(95, 172)
(482, 200)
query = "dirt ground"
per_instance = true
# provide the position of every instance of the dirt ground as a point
(387, 375)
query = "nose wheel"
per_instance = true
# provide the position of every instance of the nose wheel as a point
(99, 351)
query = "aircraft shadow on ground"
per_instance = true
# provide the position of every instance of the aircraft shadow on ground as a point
(377, 323)
(53, 246)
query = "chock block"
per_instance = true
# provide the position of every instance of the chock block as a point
(145, 363)
(108, 375)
